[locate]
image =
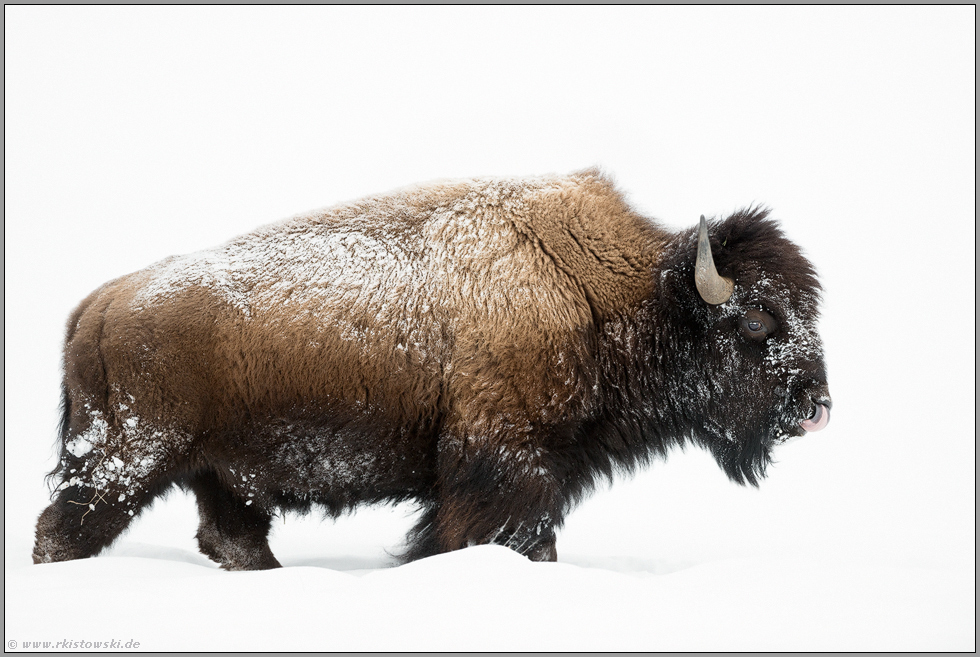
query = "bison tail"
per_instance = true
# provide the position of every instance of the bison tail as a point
(51, 478)
(97, 377)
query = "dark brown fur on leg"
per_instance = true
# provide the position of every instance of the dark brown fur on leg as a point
(489, 497)
(422, 541)
(232, 532)
(438, 531)
(63, 535)
(81, 522)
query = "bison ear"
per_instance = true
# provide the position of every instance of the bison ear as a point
(713, 288)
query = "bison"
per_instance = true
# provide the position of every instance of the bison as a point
(486, 348)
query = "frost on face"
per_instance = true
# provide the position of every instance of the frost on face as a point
(800, 341)
(788, 358)
(797, 341)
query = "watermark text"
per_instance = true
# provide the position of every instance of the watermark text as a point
(74, 644)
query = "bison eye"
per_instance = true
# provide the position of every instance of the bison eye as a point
(757, 324)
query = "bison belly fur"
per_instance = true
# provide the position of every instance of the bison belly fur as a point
(488, 349)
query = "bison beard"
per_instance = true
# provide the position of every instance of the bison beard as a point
(489, 349)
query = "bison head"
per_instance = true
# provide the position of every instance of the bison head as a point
(753, 375)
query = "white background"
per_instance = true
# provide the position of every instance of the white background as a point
(133, 134)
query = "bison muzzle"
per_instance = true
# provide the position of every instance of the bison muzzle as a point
(488, 349)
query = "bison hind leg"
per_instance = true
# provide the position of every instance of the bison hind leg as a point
(97, 499)
(233, 532)
(83, 519)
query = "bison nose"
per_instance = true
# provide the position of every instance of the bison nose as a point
(819, 419)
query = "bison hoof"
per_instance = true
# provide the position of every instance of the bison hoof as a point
(240, 557)
(264, 564)
(546, 552)
(45, 554)
(50, 550)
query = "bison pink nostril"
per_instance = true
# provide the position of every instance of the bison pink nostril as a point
(820, 419)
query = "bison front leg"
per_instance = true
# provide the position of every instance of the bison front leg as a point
(233, 531)
(497, 493)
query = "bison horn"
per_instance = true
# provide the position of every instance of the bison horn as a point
(713, 288)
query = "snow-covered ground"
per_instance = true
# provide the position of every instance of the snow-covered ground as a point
(132, 134)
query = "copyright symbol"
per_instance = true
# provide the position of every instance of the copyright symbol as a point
(11, 644)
